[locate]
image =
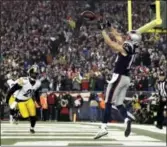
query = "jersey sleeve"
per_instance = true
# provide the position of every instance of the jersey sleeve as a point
(128, 48)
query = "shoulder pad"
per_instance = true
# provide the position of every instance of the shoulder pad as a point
(22, 80)
(128, 47)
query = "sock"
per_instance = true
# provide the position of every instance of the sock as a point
(104, 126)
(107, 113)
(126, 120)
(123, 111)
(12, 112)
(11, 117)
(32, 121)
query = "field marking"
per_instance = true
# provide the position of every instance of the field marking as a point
(70, 131)
(55, 143)
(145, 143)
(150, 128)
(55, 130)
(135, 138)
(62, 133)
(42, 143)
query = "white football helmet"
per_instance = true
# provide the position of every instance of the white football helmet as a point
(134, 37)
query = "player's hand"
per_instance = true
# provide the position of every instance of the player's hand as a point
(101, 26)
(108, 24)
(104, 25)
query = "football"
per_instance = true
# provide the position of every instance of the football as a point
(88, 15)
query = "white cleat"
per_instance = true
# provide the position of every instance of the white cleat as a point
(128, 128)
(101, 133)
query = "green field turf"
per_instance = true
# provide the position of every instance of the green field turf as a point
(79, 134)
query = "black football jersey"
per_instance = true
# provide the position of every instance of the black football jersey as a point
(123, 63)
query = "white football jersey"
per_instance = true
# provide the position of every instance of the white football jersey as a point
(11, 83)
(27, 90)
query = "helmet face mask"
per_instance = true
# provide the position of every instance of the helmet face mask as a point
(33, 72)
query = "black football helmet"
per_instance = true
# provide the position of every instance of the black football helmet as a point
(33, 72)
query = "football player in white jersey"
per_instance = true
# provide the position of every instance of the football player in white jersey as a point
(27, 91)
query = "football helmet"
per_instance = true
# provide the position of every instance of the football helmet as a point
(134, 37)
(33, 72)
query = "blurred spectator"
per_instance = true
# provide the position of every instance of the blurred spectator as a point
(44, 105)
(51, 99)
(93, 103)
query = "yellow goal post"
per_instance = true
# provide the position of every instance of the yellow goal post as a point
(150, 26)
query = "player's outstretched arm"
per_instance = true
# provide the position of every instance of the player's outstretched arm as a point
(114, 45)
(117, 35)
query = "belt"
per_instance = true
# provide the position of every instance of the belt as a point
(17, 100)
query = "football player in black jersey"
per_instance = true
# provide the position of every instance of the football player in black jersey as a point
(117, 87)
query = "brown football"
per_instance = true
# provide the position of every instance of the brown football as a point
(88, 15)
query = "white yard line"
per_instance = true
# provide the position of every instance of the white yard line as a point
(63, 143)
(55, 130)
(114, 133)
(50, 137)
(139, 143)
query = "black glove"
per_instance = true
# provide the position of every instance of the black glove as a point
(104, 25)
(101, 26)
(108, 23)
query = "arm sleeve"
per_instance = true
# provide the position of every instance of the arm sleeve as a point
(12, 90)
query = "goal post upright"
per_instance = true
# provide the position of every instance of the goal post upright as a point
(129, 15)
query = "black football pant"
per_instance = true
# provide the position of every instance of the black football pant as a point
(160, 116)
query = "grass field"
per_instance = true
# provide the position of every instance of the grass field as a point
(79, 134)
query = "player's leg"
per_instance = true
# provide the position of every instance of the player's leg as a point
(111, 96)
(32, 112)
(12, 110)
(120, 106)
(23, 110)
(160, 116)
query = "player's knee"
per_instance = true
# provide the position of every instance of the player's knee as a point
(25, 116)
(32, 113)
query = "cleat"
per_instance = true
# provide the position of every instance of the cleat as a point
(15, 121)
(101, 133)
(32, 131)
(159, 127)
(16, 118)
(128, 128)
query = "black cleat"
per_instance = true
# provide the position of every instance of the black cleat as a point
(32, 131)
(128, 129)
(159, 126)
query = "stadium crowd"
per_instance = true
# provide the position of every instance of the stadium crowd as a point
(74, 58)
